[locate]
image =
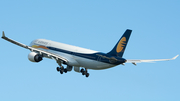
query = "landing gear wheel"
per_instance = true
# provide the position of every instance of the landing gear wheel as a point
(58, 69)
(82, 70)
(61, 71)
(87, 74)
(65, 70)
(83, 73)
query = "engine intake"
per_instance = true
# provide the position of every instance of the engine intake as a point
(34, 57)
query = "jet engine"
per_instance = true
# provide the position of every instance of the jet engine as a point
(34, 57)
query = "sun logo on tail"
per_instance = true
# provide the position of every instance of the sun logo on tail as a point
(121, 45)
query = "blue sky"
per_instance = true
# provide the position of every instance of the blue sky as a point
(96, 25)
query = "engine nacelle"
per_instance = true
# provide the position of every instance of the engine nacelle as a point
(34, 57)
(76, 69)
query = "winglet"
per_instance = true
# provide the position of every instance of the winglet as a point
(3, 35)
(175, 57)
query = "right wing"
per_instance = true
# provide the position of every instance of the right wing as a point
(152, 60)
(43, 53)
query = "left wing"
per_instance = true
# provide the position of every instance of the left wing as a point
(152, 60)
(43, 53)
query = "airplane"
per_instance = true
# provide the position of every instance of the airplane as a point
(80, 58)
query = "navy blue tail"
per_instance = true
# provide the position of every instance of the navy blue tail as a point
(120, 47)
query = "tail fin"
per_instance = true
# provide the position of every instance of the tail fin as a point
(120, 47)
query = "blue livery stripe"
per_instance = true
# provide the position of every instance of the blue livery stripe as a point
(94, 56)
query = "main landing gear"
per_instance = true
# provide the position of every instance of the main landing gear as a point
(84, 72)
(62, 70)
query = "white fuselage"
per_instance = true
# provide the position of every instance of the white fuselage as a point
(67, 51)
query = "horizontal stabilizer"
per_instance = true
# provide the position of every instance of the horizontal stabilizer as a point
(150, 61)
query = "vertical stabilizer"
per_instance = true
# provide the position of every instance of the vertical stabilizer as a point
(120, 47)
